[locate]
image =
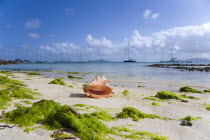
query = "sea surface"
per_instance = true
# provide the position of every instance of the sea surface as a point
(139, 71)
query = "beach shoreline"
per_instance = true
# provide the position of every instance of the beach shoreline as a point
(174, 109)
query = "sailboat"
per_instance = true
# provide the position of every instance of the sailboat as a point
(173, 59)
(129, 60)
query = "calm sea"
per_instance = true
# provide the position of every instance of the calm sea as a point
(131, 70)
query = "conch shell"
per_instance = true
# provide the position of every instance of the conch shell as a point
(98, 88)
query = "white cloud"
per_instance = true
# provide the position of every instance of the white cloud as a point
(155, 15)
(70, 11)
(98, 42)
(33, 35)
(33, 23)
(189, 42)
(65, 48)
(148, 14)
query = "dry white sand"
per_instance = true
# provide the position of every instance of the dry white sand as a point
(70, 96)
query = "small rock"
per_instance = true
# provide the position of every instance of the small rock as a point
(185, 123)
(191, 97)
(186, 101)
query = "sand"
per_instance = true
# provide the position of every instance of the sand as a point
(70, 96)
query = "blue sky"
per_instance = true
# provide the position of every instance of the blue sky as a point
(61, 29)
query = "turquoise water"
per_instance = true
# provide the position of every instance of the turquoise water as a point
(132, 70)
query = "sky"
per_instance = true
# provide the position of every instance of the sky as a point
(56, 30)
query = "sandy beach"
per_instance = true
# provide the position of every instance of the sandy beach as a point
(173, 109)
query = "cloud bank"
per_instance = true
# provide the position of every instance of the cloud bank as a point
(188, 41)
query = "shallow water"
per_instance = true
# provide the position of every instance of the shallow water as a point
(136, 71)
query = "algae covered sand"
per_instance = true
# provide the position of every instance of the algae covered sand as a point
(188, 89)
(105, 111)
(13, 89)
(86, 126)
(190, 118)
(136, 115)
(58, 81)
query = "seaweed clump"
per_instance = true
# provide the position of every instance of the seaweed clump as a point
(15, 89)
(125, 92)
(55, 116)
(206, 90)
(4, 99)
(58, 81)
(33, 73)
(190, 118)
(8, 81)
(188, 89)
(208, 107)
(135, 114)
(75, 72)
(155, 103)
(168, 95)
(7, 73)
(74, 77)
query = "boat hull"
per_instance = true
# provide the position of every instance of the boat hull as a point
(129, 61)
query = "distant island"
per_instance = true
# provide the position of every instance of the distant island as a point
(3, 62)
(44, 61)
(16, 61)
(198, 60)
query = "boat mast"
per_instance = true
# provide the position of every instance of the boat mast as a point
(128, 50)
(171, 51)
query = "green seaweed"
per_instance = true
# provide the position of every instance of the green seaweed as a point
(55, 116)
(74, 83)
(86, 126)
(154, 99)
(137, 135)
(26, 101)
(135, 114)
(22, 93)
(33, 73)
(75, 72)
(62, 135)
(125, 92)
(87, 107)
(208, 107)
(206, 90)
(74, 77)
(27, 130)
(102, 115)
(168, 95)
(6, 80)
(80, 105)
(58, 81)
(140, 86)
(156, 104)
(7, 73)
(188, 89)
(13, 89)
(4, 99)
(190, 118)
